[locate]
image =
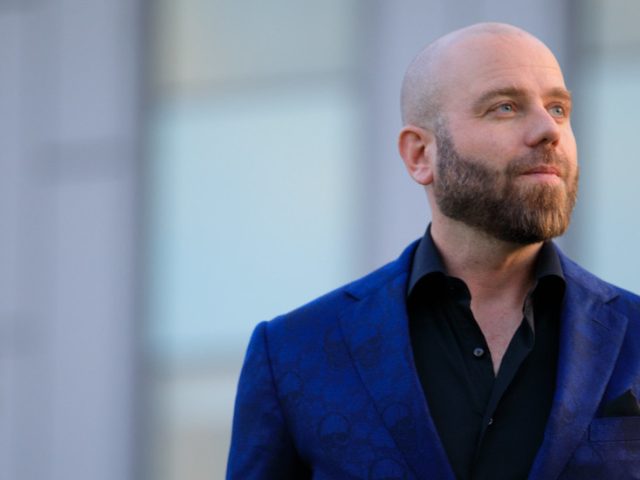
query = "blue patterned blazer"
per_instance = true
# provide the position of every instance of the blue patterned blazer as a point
(330, 391)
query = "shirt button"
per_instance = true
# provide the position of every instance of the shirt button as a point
(490, 422)
(478, 352)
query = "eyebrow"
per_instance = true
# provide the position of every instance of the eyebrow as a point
(513, 92)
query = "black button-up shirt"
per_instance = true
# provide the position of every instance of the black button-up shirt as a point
(491, 425)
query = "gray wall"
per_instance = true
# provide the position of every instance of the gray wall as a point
(69, 103)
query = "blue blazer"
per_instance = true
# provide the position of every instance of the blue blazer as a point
(330, 391)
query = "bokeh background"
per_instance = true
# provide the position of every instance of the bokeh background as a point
(174, 171)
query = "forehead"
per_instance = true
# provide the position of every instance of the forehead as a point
(471, 66)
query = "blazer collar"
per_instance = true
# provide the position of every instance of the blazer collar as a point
(377, 334)
(591, 334)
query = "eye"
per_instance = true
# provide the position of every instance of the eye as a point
(558, 111)
(505, 108)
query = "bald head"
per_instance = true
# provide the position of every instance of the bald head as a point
(426, 77)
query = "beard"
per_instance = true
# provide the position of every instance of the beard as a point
(495, 202)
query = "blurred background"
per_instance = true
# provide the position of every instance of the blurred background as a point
(175, 171)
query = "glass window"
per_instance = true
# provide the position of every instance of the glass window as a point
(253, 143)
(606, 120)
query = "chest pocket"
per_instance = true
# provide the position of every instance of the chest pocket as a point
(610, 450)
(615, 429)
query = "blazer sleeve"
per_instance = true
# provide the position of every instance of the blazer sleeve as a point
(261, 445)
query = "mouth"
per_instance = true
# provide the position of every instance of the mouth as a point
(543, 170)
(543, 173)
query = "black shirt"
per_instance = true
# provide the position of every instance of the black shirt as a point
(491, 426)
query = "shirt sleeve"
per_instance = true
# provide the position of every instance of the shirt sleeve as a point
(261, 445)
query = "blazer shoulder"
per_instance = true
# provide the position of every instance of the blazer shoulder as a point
(329, 306)
(610, 294)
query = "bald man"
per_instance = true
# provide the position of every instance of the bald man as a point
(482, 352)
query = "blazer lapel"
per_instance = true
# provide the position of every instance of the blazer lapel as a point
(377, 334)
(590, 338)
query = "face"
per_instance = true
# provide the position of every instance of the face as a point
(506, 158)
(494, 201)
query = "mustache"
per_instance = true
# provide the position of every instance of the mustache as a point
(545, 159)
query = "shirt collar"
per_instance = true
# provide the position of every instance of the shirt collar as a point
(428, 262)
(548, 263)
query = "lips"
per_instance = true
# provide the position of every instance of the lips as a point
(543, 170)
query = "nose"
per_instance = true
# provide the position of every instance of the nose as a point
(543, 129)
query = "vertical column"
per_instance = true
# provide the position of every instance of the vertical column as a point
(71, 124)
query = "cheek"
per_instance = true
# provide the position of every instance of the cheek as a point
(570, 145)
(574, 168)
(493, 144)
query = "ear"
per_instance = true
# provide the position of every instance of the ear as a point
(417, 148)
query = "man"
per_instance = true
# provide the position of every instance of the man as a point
(482, 352)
